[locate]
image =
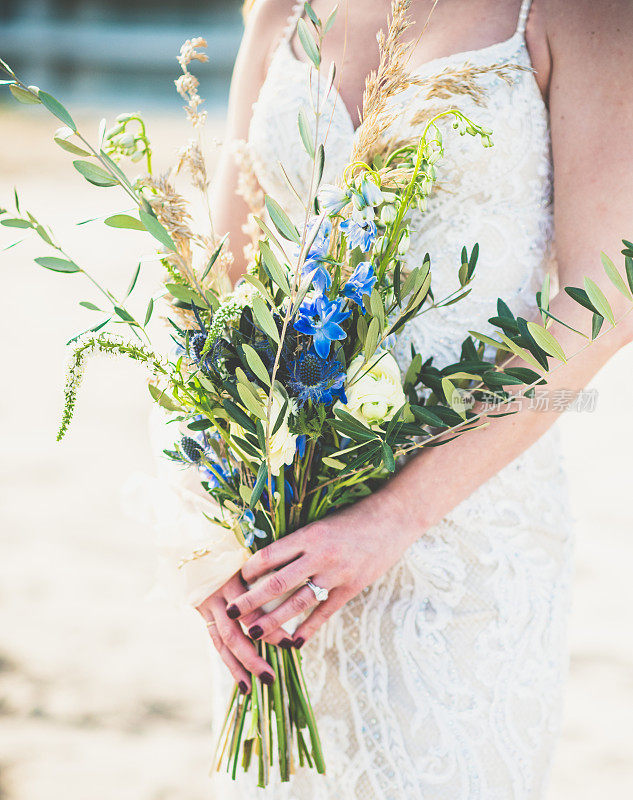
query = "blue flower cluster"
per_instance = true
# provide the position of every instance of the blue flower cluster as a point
(321, 319)
(360, 283)
(312, 378)
(197, 450)
(314, 375)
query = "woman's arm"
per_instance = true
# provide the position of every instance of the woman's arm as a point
(264, 25)
(591, 103)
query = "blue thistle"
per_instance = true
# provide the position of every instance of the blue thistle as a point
(315, 379)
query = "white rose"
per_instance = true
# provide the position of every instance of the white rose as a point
(283, 444)
(374, 390)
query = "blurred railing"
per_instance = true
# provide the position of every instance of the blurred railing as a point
(96, 52)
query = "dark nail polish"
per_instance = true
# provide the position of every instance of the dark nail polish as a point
(243, 687)
(299, 642)
(255, 632)
(232, 612)
(286, 644)
(267, 678)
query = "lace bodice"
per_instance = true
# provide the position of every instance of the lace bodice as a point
(442, 680)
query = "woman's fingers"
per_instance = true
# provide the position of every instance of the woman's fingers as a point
(273, 586)
(272, 556)
(298, 603)
(321, 614)
(241, 676)
(230, 640)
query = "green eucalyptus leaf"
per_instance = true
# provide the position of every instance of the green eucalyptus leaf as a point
(125, 221)
(598, 300)
(214, 258)
(614, 276)
(238, 416)
(6, 67)
(162, 399)
(123, 314)
(16, 223)
(580, 296)
(252, 403)
(307, 42)
(596, 324)
(61, 138)
(264, 318)
(43, 234)
(150, 310)
(371, 342)
(57, 264)
(260, 482)
(57, 109)
(305, 133)
(281, 221)
(387, 457)
(23, 95)
(311, 14)
(628, 267)
(546, 341)
(94, 174)
(153, 226)
(320, 164)
(183, 293)
(330, 20)
(115, 168)
(133, 280)
(90, 306)
(277, 272)
(256, 364)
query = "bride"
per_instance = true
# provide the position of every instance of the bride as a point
(438, 676)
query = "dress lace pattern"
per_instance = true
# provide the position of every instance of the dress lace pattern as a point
(442, 680)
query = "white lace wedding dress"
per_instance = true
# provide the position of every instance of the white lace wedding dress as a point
(442, 680)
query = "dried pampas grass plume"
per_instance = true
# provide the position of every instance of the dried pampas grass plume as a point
(187, 84)
(391, 78)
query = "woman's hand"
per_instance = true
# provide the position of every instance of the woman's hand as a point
(235, 648)
(343, 553)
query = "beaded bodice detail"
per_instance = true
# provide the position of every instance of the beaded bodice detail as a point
(442, 680)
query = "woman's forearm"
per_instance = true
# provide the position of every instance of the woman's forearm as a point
(436, 481)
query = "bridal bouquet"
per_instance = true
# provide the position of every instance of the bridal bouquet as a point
(283, 393)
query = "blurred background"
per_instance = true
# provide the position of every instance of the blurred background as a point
(104, 692)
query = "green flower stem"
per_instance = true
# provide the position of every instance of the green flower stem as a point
(282, 743)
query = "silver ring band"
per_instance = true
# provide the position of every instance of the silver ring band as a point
(320, 593)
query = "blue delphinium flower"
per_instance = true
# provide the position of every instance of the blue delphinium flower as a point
(332, 199)
(359, 234)
(315, 260)
(361, 283)
(249, 531)
(371, 192)
(313, 378)
(321, 319)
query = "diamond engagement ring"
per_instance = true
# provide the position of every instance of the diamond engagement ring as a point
(320, 593)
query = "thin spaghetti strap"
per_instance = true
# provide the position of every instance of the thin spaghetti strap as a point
(524, 13)
(293, 19)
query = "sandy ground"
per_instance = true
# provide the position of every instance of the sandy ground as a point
(104, 694)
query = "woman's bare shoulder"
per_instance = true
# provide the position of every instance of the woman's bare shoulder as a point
(589, 24)
(265, 25)
(270, 15)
